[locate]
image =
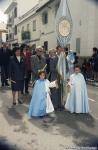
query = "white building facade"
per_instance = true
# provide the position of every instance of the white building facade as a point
(24, 6)
(11, 11)
(37, 26)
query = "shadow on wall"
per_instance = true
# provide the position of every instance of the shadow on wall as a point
(95, 1)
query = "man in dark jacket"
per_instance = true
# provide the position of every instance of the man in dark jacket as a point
(96, 68)
(5, 54)
(94, 63)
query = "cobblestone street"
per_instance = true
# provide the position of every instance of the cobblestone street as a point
(56, 132)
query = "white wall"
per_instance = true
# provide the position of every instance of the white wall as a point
(25, 5)
(41, 2)
(34, 34)
(85, 23)
(83, 16)
(96, 28)
(4, 37)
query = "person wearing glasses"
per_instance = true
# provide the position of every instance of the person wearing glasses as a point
(38, 62)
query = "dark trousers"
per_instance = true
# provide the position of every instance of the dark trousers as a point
(60, 93)
(27, 80)
(55, 98)
(4, 74)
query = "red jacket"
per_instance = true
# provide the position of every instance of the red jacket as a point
(27, 60)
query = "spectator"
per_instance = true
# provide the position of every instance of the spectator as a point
(94, 63)
(16, 75)
(84, 68)
(76, 58)
(38, 62)
(27, 61)
(96, 68)
(5, 54)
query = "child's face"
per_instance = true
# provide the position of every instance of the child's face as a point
(52, 54)
(42, 76)
(77, 70)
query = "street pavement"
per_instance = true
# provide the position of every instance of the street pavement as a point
(59, 131)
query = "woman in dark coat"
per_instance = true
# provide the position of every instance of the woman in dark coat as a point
(16, 74)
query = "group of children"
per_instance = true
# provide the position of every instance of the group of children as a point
(77, 97)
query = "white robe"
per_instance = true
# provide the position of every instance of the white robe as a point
(77, 99)
(49, 105)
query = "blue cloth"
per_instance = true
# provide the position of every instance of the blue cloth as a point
(71, 60)
(38, 102)
(77, 100)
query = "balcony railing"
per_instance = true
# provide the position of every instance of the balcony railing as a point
(10, 36)
(10, 21)
(26, 35)
(9, 24)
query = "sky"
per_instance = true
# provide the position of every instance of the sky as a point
(3, 5)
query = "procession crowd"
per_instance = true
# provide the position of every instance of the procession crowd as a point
(90, 66)
(57, 81)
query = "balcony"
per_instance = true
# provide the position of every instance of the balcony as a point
(10, 37)
(7, 37)
(9, 24)
(25, 35)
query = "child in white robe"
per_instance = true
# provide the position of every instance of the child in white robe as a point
(41, 104)
(77, 99)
